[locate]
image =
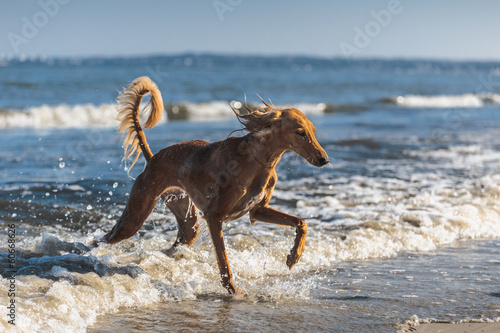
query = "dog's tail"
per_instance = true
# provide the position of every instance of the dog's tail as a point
(129, 102)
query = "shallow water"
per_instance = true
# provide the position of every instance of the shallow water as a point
(452, 284)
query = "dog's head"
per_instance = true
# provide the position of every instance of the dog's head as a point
(298, 133)
(289, 128)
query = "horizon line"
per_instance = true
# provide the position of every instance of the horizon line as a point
(35, 57)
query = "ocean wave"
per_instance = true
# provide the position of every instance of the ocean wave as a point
(60, 116)
(444, 101)
(90, 115)
(103, 115)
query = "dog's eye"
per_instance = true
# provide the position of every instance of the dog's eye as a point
(301, 132)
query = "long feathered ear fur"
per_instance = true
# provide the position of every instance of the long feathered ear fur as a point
(259, 121)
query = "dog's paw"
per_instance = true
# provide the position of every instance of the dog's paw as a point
(292, 259)
(98, 240)
(240, 292)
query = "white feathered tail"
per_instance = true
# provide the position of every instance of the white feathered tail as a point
(129, 102)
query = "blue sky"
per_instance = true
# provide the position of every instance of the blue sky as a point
(459, 30)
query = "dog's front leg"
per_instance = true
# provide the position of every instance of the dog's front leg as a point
(215, 227)
(270, 215)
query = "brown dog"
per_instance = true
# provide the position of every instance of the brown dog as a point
(224, 180)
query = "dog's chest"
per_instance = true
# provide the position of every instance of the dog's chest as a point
(256, 192)
(253, 200)
(244, 205)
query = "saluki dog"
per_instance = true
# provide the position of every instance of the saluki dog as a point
(223, 180)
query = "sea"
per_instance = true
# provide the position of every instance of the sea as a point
(404, 223)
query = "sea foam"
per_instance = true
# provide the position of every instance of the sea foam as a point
(445, 101)
(90, 115)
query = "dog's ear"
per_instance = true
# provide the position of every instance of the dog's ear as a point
(271, 118)
(277, 121)
(280, 120)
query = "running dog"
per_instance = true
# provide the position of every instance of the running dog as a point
(224, 180)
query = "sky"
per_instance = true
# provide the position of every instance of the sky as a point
(447, 29)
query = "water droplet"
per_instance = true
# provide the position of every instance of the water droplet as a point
(115, 184)
(62, 165)
(89, 207)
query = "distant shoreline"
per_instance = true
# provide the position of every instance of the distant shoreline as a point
(284, 58)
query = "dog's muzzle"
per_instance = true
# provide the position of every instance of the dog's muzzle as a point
(323, 161)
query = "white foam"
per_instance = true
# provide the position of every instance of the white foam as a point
(61, 116)
(90, 115)
(361, 218)
(222, 110)
(447, 101)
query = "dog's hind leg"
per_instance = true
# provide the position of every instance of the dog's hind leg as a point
(143, 197)
(186, 214)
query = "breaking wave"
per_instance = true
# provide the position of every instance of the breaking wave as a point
(60, 116)
(90, 115)
(444, 101)
(103, 115)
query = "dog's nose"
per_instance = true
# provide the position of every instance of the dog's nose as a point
(323, 161)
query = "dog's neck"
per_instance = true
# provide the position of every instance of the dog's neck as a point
(265, 151)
